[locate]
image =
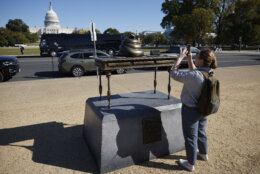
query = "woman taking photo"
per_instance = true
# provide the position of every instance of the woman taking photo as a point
(193, 122)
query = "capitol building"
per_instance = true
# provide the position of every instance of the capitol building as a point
(52, 25)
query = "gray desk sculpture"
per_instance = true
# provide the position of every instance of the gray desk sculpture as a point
(126, 129)
(111, 64)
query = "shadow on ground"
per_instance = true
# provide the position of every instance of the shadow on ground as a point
(62, 145)
(50, 74)
(55, 144)
(57, 74)
(29, 56)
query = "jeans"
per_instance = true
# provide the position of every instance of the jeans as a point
(195, 136)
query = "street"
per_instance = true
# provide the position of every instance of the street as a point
(34, 68)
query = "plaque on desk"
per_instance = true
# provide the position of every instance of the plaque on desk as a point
(152, 130)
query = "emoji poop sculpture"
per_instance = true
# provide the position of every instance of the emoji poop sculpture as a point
(130, 47)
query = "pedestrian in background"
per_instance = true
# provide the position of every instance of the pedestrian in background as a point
(21, 49)
(193, 122)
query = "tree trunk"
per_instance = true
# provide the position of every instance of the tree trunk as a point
(219, 23)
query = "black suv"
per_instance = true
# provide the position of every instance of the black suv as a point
(9, 66)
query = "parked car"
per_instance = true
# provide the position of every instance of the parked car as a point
(9, 66)
(175, 51)
(78, 62)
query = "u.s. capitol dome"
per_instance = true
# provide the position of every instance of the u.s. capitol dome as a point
(51, 19)
(51, 24)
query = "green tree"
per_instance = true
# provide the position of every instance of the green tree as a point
(3, 37)
(16, 31)
(20, 38)
(10, 38)
(111, 31)
(75, 31)
(17, 25)
(149, 39)
(32, 37)
(155, 39)
(128, 33)
(97, 31)
(81, 31)
(222, 9)
(162, 39)
(244, 22)
(202, 23)
(190, 19)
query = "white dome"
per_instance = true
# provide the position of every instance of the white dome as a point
(51, 19)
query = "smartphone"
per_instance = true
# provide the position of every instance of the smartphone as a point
(189, 49)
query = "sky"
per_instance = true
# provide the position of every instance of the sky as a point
(124, 15)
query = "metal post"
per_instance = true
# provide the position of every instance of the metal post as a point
(53, 54)
(95, 51)
(240, 41)
(100, 83)
(155, 82)
(169, 83)
(52, 64)
(108, 74)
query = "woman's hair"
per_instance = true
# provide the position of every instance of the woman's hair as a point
(209, 58)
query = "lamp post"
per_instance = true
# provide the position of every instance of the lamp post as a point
(240, 41)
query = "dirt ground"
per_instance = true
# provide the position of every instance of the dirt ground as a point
(41, 124)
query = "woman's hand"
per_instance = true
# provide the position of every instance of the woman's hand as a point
(183, 53)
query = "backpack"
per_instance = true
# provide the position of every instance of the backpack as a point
(209, 100)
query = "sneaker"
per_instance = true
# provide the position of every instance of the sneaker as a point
(204, 157)
(186, 165)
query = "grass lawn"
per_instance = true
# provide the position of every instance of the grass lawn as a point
(16, 51)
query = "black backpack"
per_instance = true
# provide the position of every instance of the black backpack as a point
(209, 100)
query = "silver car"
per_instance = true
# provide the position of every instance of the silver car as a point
(78, 62)
(175, 51)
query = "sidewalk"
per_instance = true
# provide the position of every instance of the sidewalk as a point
(238, 52)
(41, 124)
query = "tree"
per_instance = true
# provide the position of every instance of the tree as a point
(162, 39)
(97, 31)
(32, 37)
(222, 10)
(149, 39)
(111, 31)
(128, 33)
(75, 31)
(16, 31)
(244, 22)
(202, 23)
(83, 31)
(11, 40)
(3, 37)
(191, 20)
(80, 31)
(17, 25)
(155, 39)
(20, 38)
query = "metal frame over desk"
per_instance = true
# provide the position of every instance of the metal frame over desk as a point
(111, 64)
